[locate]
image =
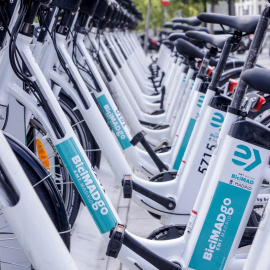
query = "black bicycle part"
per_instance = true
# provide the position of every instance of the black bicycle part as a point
(70, 5)
(167, 202)
(25, 77)
(148, 255)
(251, 59)
(167, 232)
(231, 41)
(116, 240)
(88, 7)
(139, 137)
(162, 177)
(6, 12)
(46, 15)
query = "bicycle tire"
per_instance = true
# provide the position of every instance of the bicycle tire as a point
(50, 198)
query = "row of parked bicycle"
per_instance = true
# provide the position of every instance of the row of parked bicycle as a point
(194, 121)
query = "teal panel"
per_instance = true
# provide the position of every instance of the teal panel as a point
(87, 185)
(184, 144)
(115, 124)
(220, 227)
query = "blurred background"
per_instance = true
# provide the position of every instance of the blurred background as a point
(157, 12)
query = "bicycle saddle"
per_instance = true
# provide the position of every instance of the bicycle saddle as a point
(43, 2)
(166, 32)
(168, 25)
(190, 51)
(258, 79)
(216, 40)
(246, 24)
(88, 7)
(101, 9)
(175, 36)
(168, 43)
(194, 21)
(179, 26)
(71, 5)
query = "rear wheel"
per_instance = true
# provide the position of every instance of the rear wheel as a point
(45, 150)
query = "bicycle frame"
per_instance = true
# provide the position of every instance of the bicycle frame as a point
(184, 205)
(212, 208)
(35, 238)
(172, 97)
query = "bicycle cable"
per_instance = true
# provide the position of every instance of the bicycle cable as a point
(18, 70)
(52, 34)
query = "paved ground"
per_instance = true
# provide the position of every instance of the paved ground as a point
(88, 248)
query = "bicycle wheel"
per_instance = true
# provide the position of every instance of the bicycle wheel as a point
(12, 256)
(45, 150)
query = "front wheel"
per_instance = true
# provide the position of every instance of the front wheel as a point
(12, 256)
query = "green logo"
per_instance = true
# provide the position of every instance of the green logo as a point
(245, 154)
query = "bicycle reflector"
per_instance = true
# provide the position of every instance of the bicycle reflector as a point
(232, 85)
(209, 71)
(258, 104)
(42, 154)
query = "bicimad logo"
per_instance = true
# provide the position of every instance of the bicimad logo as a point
(244, 155)
(200, 101)
(217, 120)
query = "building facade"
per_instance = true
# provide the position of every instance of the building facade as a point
(250, 7)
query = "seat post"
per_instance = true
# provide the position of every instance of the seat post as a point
(251, 58)
(28, 27)
(223, 59)
(32, 12)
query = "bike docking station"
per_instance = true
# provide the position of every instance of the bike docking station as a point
(204, 197)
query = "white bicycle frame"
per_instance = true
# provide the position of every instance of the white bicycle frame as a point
(212, 208)
(131, 90)
(166, 157)
(37, 236)
(179, 213)
(172, 102)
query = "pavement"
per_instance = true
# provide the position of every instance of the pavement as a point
(88, 248)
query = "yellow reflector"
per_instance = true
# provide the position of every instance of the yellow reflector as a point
(42, 154)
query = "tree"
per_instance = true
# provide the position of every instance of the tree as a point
(188, 8)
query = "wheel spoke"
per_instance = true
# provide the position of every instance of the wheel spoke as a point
(49, 175)
(16, 264)
(77, 123)
(92, 150)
